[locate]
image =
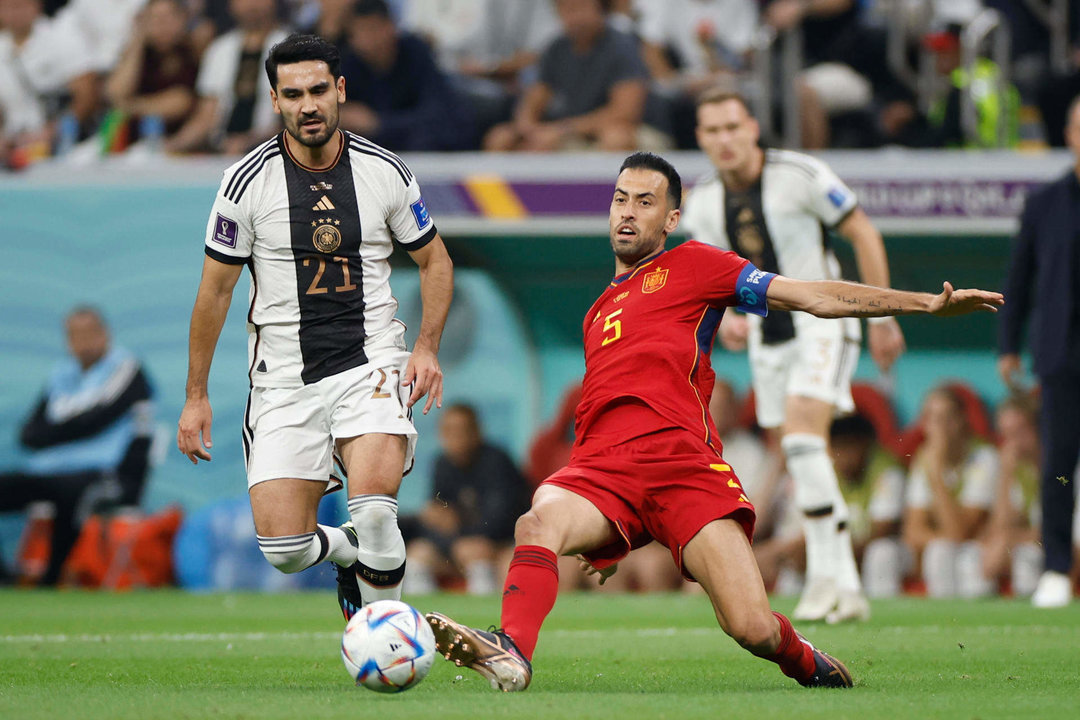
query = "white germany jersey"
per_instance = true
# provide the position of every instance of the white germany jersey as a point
(779, 224)
(317, 243)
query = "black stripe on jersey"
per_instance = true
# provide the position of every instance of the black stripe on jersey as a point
(330, 274)
(255, 173)
(223, 258)
(250, 163)
(419, 242)
(383, 152)
(376, 151)
(744, 222)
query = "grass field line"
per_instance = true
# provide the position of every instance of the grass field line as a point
(59, 638)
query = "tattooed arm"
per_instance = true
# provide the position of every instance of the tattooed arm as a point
(833, 299)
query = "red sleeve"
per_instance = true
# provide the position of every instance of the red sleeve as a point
(716, 272)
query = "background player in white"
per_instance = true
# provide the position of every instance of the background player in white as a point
(772, 207)
(314, 213)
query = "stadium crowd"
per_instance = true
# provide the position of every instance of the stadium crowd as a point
(444, 75)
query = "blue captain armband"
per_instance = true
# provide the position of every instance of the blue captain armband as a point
(750, 290)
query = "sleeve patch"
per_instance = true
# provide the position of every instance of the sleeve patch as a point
(750, 290)
(837, 196)
(420, 214)
(225, 231)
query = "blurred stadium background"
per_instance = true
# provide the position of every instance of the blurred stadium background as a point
(121, 225)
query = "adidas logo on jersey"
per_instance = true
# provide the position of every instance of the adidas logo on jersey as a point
(324, 204)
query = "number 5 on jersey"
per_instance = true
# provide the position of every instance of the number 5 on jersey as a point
(613, 326)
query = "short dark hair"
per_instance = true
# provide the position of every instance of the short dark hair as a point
(717, 95)
(299, 48)
(366, 8)
(86, 309)
(468, 411)
(652, 161)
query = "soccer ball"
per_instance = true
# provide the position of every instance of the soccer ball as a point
(388, 646)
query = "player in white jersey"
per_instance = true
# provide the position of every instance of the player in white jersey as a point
(773, 207)
(314, 214)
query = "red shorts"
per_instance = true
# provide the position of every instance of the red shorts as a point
(664, 486)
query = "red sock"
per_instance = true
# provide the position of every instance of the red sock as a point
(795, 657)
(529, 594)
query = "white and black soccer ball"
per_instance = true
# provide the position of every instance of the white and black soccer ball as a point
(388, 646)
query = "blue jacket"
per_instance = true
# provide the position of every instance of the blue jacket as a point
(1040, 284)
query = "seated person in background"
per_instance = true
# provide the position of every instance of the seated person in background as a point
(872, 482)
(951, 489)
(1010, 543)
(485, 45)
(469, 522)
(157, 71)
(89, 434)
(233, 114)
(397, 96)
(690, 46)
(44, 70)
(591, 92)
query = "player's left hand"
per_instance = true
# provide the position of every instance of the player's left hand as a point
(961, 302)
(886, 341)
(425, 376)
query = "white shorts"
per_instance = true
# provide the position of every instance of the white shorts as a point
(818, 363)
(290, 432)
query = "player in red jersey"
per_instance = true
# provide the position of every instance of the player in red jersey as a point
(646, 462)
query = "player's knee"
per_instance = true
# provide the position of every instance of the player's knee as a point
(293, 553)
(529, 529)
(755, 631)
(375, 518)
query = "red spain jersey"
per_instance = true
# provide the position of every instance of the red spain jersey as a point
(648, 339)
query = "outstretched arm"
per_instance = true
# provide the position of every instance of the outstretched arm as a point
(834, 299)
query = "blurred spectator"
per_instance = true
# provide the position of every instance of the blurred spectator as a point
(591, 92)
(992, 107)
(396, 95)
(104, 25)
(156, 75)
(1010, 543)
(691, 45)
(1043, 286)
(847, 69)
(486, 46)
(1057, 90)
(468, 525)
(331, 21)
(89, 436)
(44, 70)
(951, 489)
(872, 483)
(234, 110)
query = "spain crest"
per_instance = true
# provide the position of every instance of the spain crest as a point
(653, 281)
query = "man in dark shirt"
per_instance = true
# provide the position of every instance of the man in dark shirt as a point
(591, 91)
(89, 436)
(397, 96)
(1043, 286)
(469, 521)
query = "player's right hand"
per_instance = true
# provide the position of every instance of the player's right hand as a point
(588, 569)
(734, 329)
(193, 430)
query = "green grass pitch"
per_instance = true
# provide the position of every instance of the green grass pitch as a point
(168, 654)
